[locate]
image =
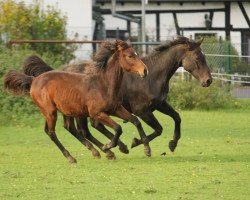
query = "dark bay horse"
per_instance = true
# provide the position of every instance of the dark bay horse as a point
(96, 93)
(143, 97)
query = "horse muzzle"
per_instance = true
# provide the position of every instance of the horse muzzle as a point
(207, 82)
(145, 73)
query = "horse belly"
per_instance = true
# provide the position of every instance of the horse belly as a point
(71, 107)
(73, 111)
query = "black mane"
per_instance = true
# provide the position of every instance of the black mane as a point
(171, 43)
(102, 55)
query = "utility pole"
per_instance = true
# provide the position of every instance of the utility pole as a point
(143, 34)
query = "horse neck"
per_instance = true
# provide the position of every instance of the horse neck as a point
(113, 75)
(163, 65)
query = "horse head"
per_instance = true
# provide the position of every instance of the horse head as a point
(194, 62)
(129, 59)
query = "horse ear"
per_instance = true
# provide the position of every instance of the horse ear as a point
(119, 45)
(199, 41)
(190, 46)
(129, 42)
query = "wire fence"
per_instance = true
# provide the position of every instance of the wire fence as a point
(228, 62)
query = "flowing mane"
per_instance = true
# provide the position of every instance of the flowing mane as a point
(167, 45)
(178, 40)
(106, 50)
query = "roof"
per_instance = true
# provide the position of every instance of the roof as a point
(166, 1)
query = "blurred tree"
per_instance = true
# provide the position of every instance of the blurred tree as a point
(19, 21)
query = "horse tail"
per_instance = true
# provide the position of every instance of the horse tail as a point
(34, 66)
(17, 83)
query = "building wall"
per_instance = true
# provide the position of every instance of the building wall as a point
(184, 19)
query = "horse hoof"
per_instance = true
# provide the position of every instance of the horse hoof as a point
(123, 148)
(72, 160)
(172, 145)
(135, 142)
(96, 154)
(147, 151)
(106, 147)
(111, 156)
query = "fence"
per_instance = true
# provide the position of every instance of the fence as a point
(227, 61)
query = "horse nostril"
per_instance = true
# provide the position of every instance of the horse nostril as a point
(145, 72)
(209, 81)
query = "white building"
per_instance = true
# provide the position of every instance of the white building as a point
(164, 18)
(80, 23)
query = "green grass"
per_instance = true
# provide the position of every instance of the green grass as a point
(210, 162)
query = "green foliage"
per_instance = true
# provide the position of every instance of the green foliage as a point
(13, 108)
(190, 95)
(15, 19)
(19, 21)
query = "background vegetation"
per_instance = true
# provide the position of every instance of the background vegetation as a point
(19, 21)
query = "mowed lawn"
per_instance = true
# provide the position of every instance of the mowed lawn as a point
(210, 162)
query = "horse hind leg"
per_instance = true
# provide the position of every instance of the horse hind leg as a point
(70, 126)
(122, 113)
(165, 108)
(82, 126)
(101, 128)
(50, 130)
(150, 120)
(105, 119)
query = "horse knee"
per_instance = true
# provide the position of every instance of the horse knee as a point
(66, 125)
(118, 130)
(158, 130)
(177, 118)
(94, 123)
(51, 135)
(85, 134)
(135, 121)
(46, 129)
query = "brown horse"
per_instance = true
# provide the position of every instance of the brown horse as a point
(95, 93)
(143, 97)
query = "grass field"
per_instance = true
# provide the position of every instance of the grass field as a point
(210, 162)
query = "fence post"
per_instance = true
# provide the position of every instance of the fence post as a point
(228, 59)
(220, 68)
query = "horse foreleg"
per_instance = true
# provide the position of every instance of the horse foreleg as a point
(70, 126)
(50, 130)
(150, 120)
(101, 128)
(82, 126)
(122, 113)
(108, 121)
(165, 108)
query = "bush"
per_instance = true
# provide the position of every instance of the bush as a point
(190, 95)
(19, 21)
(15, 108)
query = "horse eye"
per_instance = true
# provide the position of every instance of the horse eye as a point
(131, 56)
